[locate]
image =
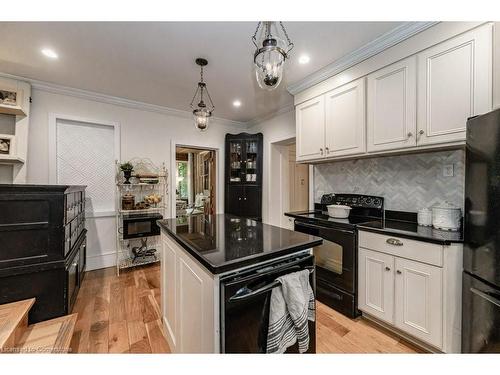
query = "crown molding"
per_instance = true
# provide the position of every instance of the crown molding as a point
(114, 100)
(383, 42)
(261, 119)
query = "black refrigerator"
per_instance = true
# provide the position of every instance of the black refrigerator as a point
(481, 275)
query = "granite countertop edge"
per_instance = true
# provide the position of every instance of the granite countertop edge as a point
(236, 263)
(412, 236)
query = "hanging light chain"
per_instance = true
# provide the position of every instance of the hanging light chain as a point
(254, 37)
(290, 44)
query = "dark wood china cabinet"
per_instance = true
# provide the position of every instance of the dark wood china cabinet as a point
(243, 191)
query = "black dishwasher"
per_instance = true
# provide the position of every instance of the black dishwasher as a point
(245, 298)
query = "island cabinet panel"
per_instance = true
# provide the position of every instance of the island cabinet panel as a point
(454, 84)
(188, 292)
(391, 106)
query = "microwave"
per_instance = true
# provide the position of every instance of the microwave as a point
(141, 225)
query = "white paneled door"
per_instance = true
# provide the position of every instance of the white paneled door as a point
(418, 301)
(310, 126)
(391, 107)
(455, 82)
(345, 120)
(376, 284)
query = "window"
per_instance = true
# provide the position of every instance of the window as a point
(182, 181)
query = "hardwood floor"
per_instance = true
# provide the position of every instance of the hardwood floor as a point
(119, 314)
(122, 315)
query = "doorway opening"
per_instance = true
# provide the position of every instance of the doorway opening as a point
(195, 181)
(289, 183)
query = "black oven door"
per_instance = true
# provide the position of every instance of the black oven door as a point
(245, 318)
(336, 257)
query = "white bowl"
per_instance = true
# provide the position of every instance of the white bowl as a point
(338, 211)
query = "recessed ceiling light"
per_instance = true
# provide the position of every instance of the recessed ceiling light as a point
(237, 103)
(304, 59)
(50, 53)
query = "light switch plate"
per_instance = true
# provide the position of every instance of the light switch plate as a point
(448, 170)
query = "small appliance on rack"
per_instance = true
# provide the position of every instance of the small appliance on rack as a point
(141, 200)
(336, 258)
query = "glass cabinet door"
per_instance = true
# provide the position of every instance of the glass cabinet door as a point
(251, 153)
(235, 161)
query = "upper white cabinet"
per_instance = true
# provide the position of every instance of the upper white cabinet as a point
(345, 120)
(455, 79)
(421, 99)
(310, 125)
(391, 106)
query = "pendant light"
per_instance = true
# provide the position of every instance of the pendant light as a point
(271, 53)
(201, 112)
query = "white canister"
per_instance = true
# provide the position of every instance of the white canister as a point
(446, 217)
(424, 217)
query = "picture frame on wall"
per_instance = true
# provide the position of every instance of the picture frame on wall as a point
(8, 97)
(7, 144)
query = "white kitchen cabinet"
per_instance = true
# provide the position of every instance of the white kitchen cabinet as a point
(454, 83)
(391, 106)
(413, 288)
(310, 128)
(345, 120)
(188, 301)
(418, 300)
(376, 284)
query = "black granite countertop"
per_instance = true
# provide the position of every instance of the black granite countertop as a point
(410, 229)
(225, 242)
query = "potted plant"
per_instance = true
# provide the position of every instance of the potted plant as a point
(127, 169)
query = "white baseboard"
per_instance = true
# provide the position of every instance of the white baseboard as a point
(95, 262)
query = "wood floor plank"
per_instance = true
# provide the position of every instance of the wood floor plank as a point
(156, 337)
(118, 337)
(117, 311)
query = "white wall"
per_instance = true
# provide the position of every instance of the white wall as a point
(143, 134)
(275, 130)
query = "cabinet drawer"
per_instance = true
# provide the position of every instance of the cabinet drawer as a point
(402, 247)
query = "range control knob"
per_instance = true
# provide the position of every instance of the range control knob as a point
(368, 200)
(376, 202)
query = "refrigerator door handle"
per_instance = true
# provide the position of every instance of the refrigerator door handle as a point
(486, 296)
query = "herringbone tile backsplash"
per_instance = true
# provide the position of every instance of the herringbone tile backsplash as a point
(407, 182)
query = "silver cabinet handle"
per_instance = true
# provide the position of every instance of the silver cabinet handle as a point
(245, 198)
(410, 134)
(394, 242)
(387, 268)
(239, 198)
(398, 272)
(321, 151)
(421, 132)
(327, 150)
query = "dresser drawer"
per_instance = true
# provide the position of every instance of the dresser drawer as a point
(410, 249)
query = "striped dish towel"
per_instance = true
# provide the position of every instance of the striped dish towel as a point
(292, 305)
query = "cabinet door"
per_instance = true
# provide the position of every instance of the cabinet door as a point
(310, 123)
(455, 82)
(392, 101)
(234, 200)
(251, 205)
(169, 289)
(419, 300)
(376, 284)
(345, 120)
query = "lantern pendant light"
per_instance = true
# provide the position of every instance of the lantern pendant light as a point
(271, 53)
(201, 111)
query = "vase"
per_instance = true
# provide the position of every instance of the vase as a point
(127, 175)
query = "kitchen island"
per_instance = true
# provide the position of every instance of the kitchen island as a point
(197, 253)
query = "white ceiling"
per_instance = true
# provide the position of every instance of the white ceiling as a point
(154, 62)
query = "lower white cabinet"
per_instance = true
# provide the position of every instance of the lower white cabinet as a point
(413, 287)
(376, 284)
(418, 300)
(188, 301)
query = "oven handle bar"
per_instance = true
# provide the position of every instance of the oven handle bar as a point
(312, 226)
(252, 293)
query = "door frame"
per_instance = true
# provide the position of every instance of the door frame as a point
(277, 171)
(219, 165)
(52, 143)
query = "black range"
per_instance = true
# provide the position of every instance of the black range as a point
(225, 242)
(337, 259)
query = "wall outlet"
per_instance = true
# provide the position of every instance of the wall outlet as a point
(448, 170)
